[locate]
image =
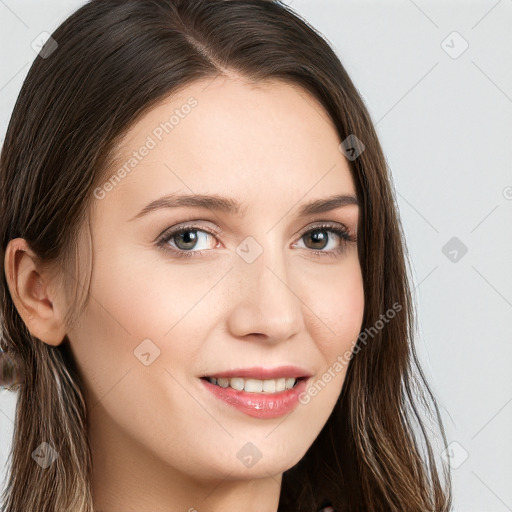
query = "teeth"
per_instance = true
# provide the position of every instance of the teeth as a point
(269, 386)
(222, 382)
(255, 385)
(252, 385)
(237, 383)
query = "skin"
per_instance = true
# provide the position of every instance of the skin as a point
(160, 440)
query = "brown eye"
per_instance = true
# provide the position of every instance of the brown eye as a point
(186, 241)
(319, 238)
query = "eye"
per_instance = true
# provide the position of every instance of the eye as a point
(320, 236)
(190, 241)
(184, 239)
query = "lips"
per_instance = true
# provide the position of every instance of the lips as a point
(262, 405)
(259, 391)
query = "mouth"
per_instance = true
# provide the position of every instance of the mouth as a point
(260, 392)
(250, 385)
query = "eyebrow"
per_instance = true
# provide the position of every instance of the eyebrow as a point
(228, 205)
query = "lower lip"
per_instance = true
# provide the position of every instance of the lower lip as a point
(259, 405)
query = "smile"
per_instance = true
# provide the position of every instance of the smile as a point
(255, 385)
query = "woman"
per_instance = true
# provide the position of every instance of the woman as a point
(204, 283)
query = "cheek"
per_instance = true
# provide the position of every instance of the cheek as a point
(334, 302)
(147, 297)
(333, 315)
(132, 301)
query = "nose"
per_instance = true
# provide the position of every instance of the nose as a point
(265, 304)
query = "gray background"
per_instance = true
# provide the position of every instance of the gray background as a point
(444, 119)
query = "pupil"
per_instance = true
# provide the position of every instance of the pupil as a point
(319, 236)
(190, 240)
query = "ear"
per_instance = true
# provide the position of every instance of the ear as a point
(33, 294)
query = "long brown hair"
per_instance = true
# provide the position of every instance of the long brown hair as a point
(114, 61)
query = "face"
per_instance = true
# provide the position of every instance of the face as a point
(264, 287)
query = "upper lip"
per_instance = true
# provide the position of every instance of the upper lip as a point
(258, 372)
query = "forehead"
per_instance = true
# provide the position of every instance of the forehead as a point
(233, 137)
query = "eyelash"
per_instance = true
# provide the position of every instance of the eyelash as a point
(164, 238)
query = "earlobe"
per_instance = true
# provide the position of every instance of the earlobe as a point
(32, 293)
